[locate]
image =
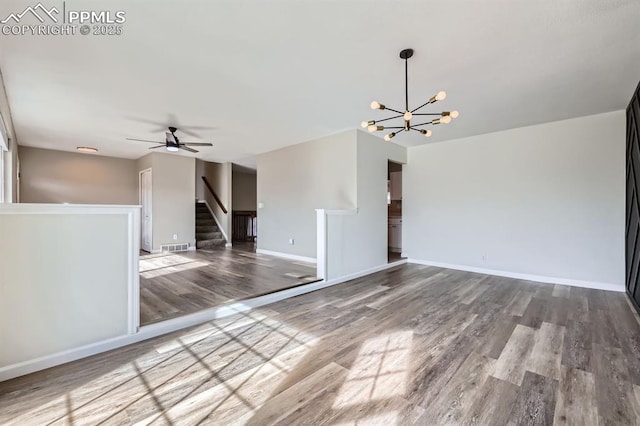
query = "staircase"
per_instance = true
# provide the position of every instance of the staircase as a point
(208, 234)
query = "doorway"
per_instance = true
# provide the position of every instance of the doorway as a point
(146, 226)
(394, 211)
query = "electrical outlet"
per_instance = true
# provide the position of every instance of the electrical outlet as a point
(291, 241)
(175, 237)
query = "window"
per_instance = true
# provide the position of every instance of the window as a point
(4, 146)
(1, 174)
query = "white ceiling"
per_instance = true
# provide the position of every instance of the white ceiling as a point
(266, 74)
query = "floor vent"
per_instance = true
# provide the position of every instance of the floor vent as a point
(175, 247)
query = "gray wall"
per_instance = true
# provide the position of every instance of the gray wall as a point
(358, 242)
(546, 200)
(244, 191)
(296, 180)
(48, 176)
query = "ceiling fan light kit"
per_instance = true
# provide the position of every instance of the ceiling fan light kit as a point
(407, 115)
(172, 142)
(87, 149)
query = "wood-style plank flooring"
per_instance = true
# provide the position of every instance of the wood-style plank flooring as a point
(410, 345)
(177, 284)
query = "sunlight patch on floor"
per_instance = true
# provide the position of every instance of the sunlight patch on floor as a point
(235, 400)
(203, 360)
(379, 372)
(168, 264)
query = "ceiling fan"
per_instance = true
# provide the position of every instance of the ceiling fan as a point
(172, 143)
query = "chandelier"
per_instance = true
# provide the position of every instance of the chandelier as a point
(407, 115)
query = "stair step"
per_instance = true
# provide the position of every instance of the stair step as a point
(216, 242)
(214, 235)
(206, 228)
(203, 215)
(203, 222)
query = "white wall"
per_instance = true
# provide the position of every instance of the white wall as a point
(244, 193)
(545, 200)
(219, 176)
(48, 176)
(296, 180)
(173, 210)
(68, 278)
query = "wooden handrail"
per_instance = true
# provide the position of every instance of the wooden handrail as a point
(215, 196)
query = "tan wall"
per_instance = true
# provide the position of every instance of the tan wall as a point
(244, 191)
(48, 176)
(173, 211)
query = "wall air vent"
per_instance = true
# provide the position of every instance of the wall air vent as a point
(174, 247)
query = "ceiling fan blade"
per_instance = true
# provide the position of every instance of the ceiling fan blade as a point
(186, 148)
(143, 140)
(196, 144)
(199, 127)
(173, 118)
(188, 132)
(159, 146)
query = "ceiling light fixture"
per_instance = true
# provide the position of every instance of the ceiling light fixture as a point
(407, 115)
(87, 149)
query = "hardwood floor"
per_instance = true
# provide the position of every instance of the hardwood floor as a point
(410, 345)
(177, 284)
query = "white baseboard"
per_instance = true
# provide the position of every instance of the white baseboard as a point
(287, 256)
(227, 245)
(48, 361)
(520, 276)
(365, 272)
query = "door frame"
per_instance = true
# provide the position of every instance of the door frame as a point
(142, 246)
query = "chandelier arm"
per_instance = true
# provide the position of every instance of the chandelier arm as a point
(423, 105)
(399, 127)
(421, 124)
(429, 113)
(394, 110)
(390, 118)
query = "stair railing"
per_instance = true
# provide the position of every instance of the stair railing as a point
(215, 196)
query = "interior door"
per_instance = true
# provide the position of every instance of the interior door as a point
(145, 214)
(632, 247)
